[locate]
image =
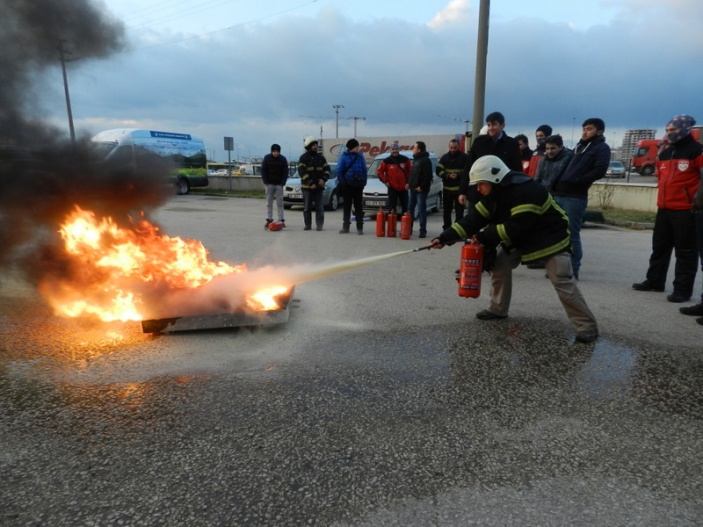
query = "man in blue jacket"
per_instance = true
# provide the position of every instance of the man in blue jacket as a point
(351, 180)
(570, 189)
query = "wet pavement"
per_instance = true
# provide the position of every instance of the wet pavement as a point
(383, 401)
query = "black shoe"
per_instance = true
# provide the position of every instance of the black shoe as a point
(268, 222)
(487, 315)
(345, 230)
(423, 235)
(584, 337)
(319, 227)
(307, 228)
(648, 286)
(678, 298)
(360, 231)
(700, 321)
(696, 311)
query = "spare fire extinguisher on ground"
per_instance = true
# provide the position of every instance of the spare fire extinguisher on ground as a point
(276, 225)
(470, 270)
(381, 223)
(406, 226)
(392, 227)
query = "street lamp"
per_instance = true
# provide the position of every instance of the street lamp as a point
(336, 110)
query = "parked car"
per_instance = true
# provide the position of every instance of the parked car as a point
(293, 194)
(615, 169)
(376, 192)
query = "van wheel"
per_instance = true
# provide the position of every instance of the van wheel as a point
(647, 170)
(182, 186)
(437, 203)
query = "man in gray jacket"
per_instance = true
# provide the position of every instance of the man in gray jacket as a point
(554, 162)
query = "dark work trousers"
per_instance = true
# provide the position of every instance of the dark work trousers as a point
(450, 202)
(674, 230)
(313, 197)
(699, 231)
(353, 196)
(395, 196)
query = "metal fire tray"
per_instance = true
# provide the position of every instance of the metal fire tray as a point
(243, 318)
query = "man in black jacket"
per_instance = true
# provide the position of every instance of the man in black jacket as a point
(518, 216)
(495, 143)
(451, 169)
(419, 184)
(274, 173)
(314, 173)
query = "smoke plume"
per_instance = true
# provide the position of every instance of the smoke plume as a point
(43, 175)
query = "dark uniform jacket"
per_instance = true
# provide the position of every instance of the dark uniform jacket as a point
(505, 148)
(452, 163)
(519, 213)
(311, 168)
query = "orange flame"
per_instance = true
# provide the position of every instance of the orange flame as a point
(111, 268)
(266, 299)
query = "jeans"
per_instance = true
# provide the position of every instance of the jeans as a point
(419, 199)
(310, 197)
(575, 209)
(274, 192)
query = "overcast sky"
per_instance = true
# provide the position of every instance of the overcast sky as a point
(271, 71)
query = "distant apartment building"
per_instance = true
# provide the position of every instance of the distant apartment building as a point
(630, 141)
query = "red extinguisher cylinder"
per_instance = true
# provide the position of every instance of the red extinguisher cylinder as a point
(276, 225)
(470, 270)
(406, 225)
(392, 226)
(381, 223)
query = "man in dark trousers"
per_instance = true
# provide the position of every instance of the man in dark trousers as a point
(518, 216)
(351, 180)
(570, 189)
(419, 184)
(495, 143)
(274, 173)
(451, 169)
(314, 173)
(394, 172)
(679, 168)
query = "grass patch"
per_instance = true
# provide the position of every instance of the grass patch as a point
(627, 215)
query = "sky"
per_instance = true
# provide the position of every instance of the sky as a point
(271, 71)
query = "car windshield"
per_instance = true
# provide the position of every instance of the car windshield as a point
(616, 164)
(373, 169)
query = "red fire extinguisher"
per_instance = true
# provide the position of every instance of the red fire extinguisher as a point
(470, 270)
(406, 226)
(380, 223)
(276, 225)
(392, 224)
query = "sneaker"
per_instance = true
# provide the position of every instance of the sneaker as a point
(585, 337)
(678, 298)
(307, 228)
(696, 311)
(268, 222)
(647, 286)
(488, 315)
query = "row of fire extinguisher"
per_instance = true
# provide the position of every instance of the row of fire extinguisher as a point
(387, 224)
(470, 267)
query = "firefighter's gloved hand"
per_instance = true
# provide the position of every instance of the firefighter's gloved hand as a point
(489, 259)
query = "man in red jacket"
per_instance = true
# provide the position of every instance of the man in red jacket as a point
(679, 173)
(394, 172)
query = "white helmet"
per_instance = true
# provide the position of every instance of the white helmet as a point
(488, 168)
(309, 140)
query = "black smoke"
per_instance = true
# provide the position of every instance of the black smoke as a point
(43, 174)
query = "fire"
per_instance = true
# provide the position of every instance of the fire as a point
(266, 299)
(111, 270)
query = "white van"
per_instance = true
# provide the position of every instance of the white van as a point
(187, 152)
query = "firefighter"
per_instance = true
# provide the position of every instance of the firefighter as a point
(314, 173)
(517, 216)
(451, 169)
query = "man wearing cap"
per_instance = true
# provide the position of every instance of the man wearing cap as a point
(351, 180)
(679, 167)
(393, 172)
(570, 189)
(314, 173)
(451, 169)
(517, 215)
(274, 173)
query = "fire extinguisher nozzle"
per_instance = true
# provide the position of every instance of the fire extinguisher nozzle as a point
(425, 248)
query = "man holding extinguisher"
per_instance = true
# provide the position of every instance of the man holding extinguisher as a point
(516, 215)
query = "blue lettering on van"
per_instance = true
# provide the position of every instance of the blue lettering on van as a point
(169, 135)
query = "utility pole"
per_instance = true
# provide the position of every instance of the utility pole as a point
(62, 54)
(336, 110)
(355, 120)
(481, 58)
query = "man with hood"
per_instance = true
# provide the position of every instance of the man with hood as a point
(517, 215)
(570, 189)
(314, 173)
(351, 180)
(679, 167)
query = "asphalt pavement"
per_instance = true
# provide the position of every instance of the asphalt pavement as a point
(382, 401)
